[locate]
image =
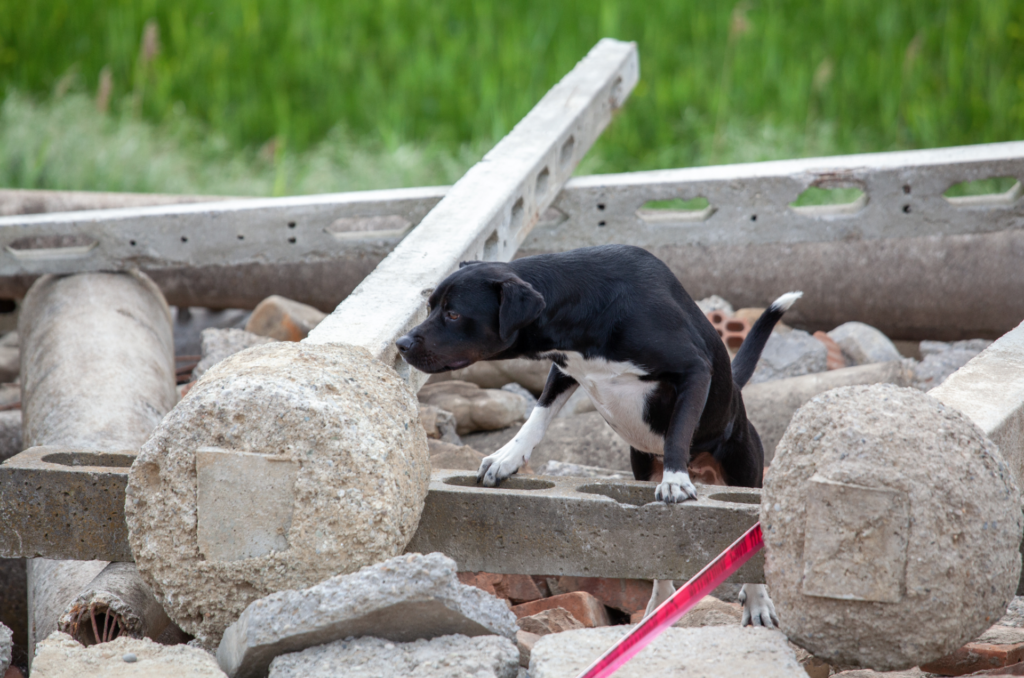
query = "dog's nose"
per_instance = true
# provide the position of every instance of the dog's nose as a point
(405, 343)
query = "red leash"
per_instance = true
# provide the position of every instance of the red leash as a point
(705, 581)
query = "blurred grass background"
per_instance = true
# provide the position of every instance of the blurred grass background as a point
(253, 97)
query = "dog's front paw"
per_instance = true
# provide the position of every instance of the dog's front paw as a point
(758, 608)
(499, 466)
(675, 487)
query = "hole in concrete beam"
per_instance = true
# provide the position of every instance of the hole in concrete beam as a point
(516, 220)
(676, 210)
(52, 246)
(565, 157)
(830, 201)
(100, 459)
(736, 497)
(491, 248)
(982, 192)
(542, 184)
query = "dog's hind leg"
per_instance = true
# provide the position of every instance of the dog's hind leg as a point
(758, 608)
(675, 485)
(506, 461)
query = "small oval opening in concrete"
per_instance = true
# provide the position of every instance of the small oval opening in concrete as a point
(513, 483)
(676, 210)
(52, 246)
(736, 497)
(109, 460)
(634, 495)
(565, 155)
(983, 192)
(821, 201)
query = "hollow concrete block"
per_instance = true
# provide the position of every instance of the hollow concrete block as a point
(61, 656)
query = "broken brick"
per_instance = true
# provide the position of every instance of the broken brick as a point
(998, 647)
(587, 609)
(626, 595)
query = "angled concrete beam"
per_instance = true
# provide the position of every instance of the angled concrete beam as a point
(489, 212)
(990, 390)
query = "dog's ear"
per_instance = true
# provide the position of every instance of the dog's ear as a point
(464, 264)
(520, 306)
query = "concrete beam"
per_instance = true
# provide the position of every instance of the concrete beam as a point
(490, 211)
(71, 506)
(990, 390)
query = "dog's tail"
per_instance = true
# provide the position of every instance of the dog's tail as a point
(746, 359)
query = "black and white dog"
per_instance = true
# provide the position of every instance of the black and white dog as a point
(615, 321)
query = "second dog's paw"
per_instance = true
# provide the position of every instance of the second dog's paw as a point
(675, 487)
(498, 467)
(758, 608)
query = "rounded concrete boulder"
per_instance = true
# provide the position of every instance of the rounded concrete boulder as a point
(892, 526)
(285, 464)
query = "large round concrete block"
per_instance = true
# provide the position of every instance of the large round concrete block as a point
(284, 465)
(892, 526)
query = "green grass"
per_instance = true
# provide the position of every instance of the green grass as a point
(261, 96)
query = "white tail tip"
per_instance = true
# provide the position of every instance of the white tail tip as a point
(784, 302)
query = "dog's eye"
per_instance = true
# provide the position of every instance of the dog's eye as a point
(451, 315)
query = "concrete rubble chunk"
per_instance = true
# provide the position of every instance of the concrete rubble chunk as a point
(711, 611)
(10, 363)
(791, 354)
(61, 656)
(10, 434)
(866, 531)
(402, 599)
(283, 319)
(475, 408)
(770, 405)
(456, 457)
(941, 359)
(6, 646)
(349, 424)
(525, 642)
(715, 303)
(863, 344)
(712, 652)
(531, 400)
(453, 656)
(219, 344)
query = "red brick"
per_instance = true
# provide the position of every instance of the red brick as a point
(586, 608)
(982, 654)
(515, 588)
(835, 360)
(554, 620)
(627, 595)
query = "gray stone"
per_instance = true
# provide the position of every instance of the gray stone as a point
(6, 646)
(351, 425)
(1014, 613)
(445, 657)
(531, 401)
(585, 439)
(715, 303)
(867, 534)
(710, 611)
(530, 374)
(770, 405)
(791, 354)
(563, 469)
(190, 320)
(439, 424)
(405, 598)
(61, 656)
(475, 408)
(710, 652)
(863, 344)
(941, 359)
(218, 344)
(10, 434)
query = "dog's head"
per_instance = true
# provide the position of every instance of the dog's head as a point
(476, 313)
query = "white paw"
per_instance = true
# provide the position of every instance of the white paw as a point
(675, 487)
(502, 464)
(758, 608)
(660, 592)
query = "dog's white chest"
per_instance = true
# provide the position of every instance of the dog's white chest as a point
(619, 395)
